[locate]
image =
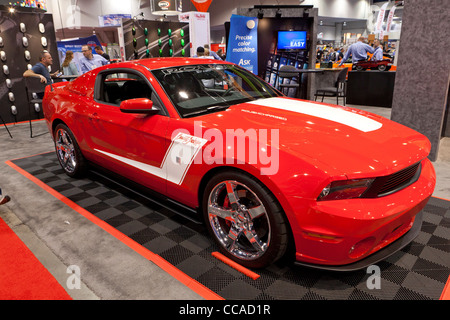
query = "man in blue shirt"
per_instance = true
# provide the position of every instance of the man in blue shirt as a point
(378, 54)
(358, 51)
(40, 70)
(90, 61)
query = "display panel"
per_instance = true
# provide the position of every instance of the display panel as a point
(291, 40)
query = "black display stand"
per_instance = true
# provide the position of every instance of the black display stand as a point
(371, 88)
(153, 39)
(24, 35)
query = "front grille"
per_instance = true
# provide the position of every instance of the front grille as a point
(399, 180)
(383, 186)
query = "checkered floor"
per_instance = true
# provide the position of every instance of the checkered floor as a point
(418, 272)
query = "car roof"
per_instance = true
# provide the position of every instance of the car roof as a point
(159, 63)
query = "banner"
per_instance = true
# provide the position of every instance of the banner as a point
(202, 5)
(390, 18)
(243, 42)
(380, 18)
(112, 20)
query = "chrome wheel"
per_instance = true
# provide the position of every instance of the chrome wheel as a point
(65, 149)
(239, 220)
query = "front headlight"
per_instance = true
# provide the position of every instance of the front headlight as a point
(345, 189)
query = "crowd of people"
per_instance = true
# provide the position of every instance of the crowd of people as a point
(205, 52)
(357, 51)
(69, 67)
(89, 61)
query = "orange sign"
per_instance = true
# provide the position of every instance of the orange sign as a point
(202, 5)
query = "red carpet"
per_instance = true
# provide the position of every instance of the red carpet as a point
(22, 276)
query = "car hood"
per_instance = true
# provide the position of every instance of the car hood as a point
(336, 139)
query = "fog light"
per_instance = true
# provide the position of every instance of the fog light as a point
(361, 248)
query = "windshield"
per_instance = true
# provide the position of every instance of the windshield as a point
(200, 89)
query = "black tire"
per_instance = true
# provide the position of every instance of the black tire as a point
(68, 152)
(251, 230)
(382, 67)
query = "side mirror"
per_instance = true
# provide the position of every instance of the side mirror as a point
(138, 105)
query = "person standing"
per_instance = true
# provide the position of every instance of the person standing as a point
(378, 53)
(69, 66)
(90, 61)
(209, 52)
(99, 50)
(358, 51)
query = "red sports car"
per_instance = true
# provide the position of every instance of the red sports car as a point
(334, 187)
(381, 65)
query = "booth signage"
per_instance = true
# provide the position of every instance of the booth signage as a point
(112, 19)
(166, 7)
(243, 42)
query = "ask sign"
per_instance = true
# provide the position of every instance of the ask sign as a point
(243, 42)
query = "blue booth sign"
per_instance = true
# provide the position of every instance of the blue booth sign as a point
(243, 42)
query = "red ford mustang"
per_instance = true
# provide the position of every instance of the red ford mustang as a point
(334, 187)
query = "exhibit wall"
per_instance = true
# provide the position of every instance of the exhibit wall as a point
(423, 70)
(270, 59)
(23, 37)
(149, 39)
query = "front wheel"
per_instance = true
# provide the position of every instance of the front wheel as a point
(245, 220)
(68, 152)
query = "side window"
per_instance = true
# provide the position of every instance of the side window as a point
(117, 87)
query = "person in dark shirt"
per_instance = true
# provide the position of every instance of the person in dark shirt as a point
(40, 70)
(99, 50)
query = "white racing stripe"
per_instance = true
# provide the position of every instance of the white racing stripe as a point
(347, 118)
(177, 160)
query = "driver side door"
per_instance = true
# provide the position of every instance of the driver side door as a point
(130, 144)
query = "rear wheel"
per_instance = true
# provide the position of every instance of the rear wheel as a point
(382, 67)
(245, 220)
(68, 152)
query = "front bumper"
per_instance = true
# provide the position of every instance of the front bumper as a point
(351, 234)
(378, 255)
